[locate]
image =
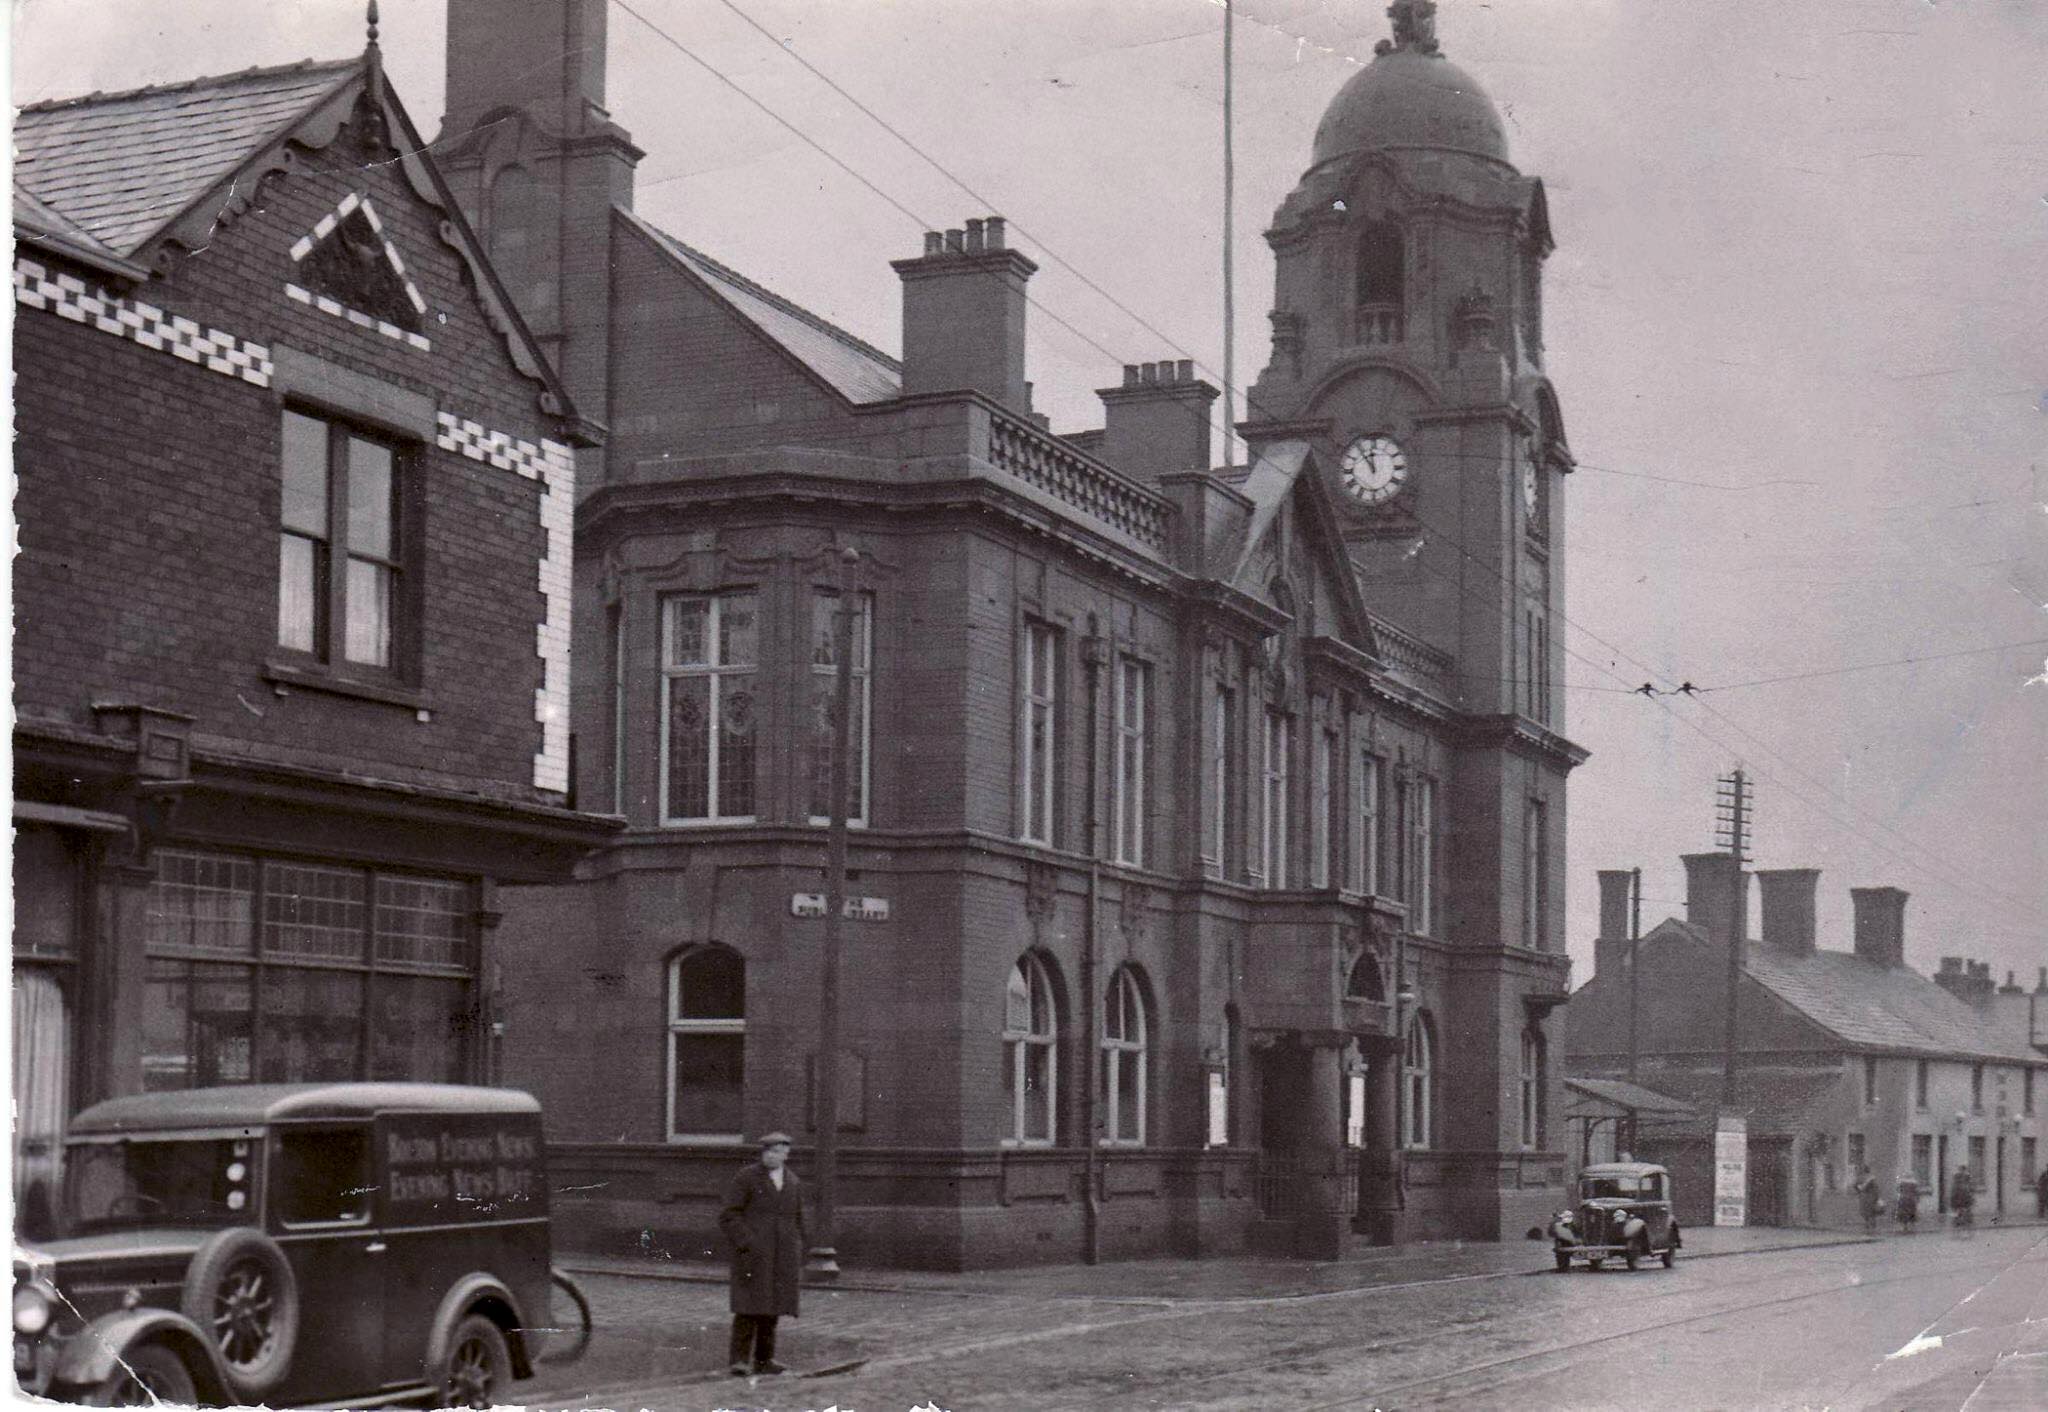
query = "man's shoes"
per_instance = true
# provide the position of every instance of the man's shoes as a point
(740, 1370)
(768, 1368)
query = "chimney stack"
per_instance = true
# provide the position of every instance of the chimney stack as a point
(1157, 423)
(1788, 907)
(963, 315)
(1610, 950)
(1717, 895)
(1881, 925)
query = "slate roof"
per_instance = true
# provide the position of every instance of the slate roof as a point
(859, 371)
(1634, 1097)
(1868, 1006)
(1775, 1100)
(123, 165)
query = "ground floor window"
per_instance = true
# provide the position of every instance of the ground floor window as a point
(707, 1045)
(1419, 1065)
(1030, 1052)
(1923, 1161)
(1123, 1061)
(275, 970)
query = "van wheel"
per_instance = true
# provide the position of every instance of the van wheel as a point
(479, 1367)
(148, 1374)
(240, 1289)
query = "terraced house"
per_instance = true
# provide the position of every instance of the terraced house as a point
(294, 489)
(1208, 820)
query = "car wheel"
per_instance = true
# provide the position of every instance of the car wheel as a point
(147, 1375)
(1637, 1249)
(1564, 1261)
(240, 1289)
(478, 1368)
(1595, 1262)
(1670, 1256)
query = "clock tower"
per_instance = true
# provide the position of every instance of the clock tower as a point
(1408, 351)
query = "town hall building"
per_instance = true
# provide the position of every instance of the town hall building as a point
(1207, 821)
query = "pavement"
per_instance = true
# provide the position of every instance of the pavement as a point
(662, 1323)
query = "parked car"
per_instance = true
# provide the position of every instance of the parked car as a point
(290, 1244)
(1624, 1211)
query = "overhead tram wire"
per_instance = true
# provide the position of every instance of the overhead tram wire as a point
(986, 203)
(1171, 344)
(923, 224)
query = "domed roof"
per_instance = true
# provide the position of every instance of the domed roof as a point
(1407, 97)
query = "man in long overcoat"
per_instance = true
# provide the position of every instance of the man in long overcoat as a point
(763, 1222)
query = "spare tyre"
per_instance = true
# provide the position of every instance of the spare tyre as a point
(239, 1288)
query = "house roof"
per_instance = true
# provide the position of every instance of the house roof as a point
(1634, 1097)
(1775, 1099)
(121, 166)
(857, 370)
(1870, 1006)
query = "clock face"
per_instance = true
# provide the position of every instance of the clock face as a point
(1374, 469)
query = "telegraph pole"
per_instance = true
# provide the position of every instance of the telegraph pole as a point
(823, 1261)
(1734, 805)
(1635, 936)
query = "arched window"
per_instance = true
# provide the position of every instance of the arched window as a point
(1030, 1052)
(1123, 1060)
(1364, 982)
(514, 238)
(1382, 277)
(707, 1040)
(1532, 1089)
(1417, 1074)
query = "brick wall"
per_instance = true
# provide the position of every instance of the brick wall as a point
(149, 503)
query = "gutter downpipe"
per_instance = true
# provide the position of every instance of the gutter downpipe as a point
(1092, 658)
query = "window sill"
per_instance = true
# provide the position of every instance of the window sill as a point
(310, 678)
(706, 1139)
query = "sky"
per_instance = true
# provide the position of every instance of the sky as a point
(1797, 319)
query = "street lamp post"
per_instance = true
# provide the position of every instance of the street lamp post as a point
(823, 1261)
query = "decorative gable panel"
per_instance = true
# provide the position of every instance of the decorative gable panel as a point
(347, 267)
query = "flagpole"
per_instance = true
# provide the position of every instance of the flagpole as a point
(1229, 282)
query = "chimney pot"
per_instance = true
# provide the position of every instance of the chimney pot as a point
(992, 229)
(1187, 370)
(2041, 986)
(1130, 375)
(1610, 950)
(964, 304)
(1788, 907)
(1881, 926)
(1717, 895)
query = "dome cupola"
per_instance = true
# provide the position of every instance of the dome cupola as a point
(1411, 96)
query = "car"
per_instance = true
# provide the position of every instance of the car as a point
(287, 1244)
(1624, 1211)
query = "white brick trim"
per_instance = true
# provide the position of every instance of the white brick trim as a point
(553, 464)
(324, 227)
(69, 297)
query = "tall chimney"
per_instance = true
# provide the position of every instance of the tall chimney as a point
(544, 56)
(1157, 423)
(1788, 907)
(1610, 950)
(1880, 924)
(963, 315)
(1716, 895)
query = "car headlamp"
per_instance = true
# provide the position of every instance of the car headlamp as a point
(31, 1310)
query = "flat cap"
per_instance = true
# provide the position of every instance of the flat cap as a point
(774, 1139)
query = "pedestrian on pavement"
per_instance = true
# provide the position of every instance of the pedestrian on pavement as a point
(763, 1222)
(1867, 1199)
(2041, 1193)
(1908, 1204)
(1962, 1195)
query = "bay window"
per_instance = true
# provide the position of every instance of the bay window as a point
(710, 654)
